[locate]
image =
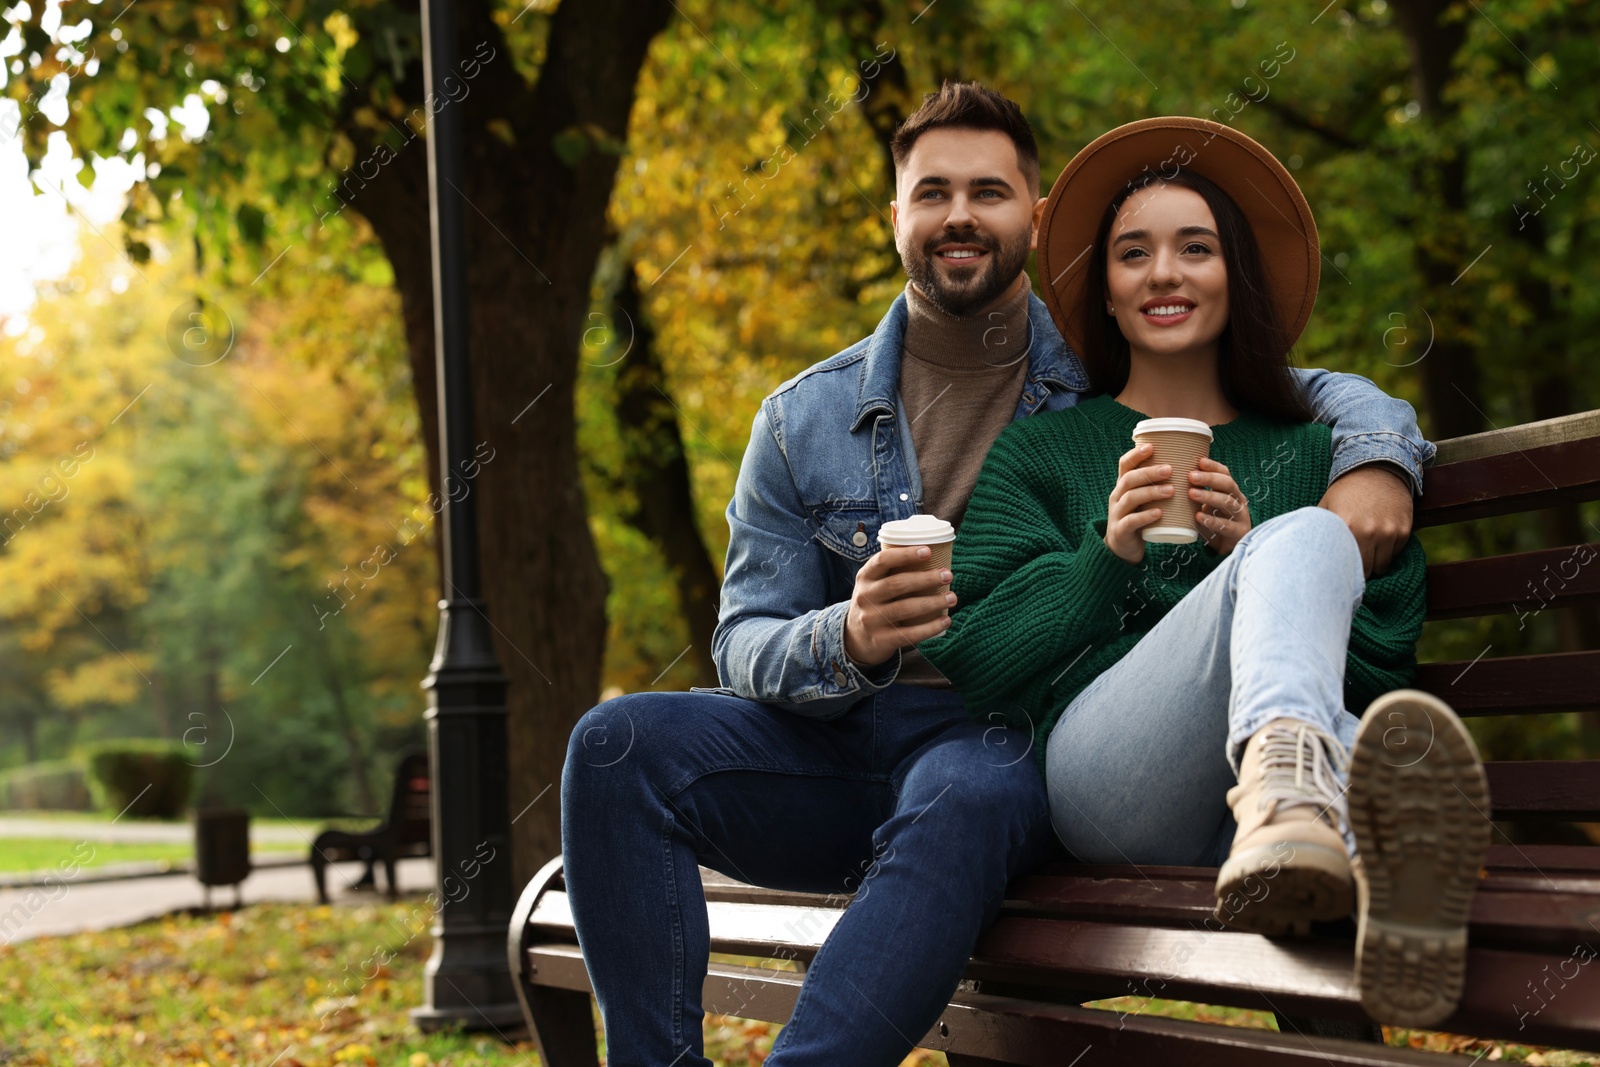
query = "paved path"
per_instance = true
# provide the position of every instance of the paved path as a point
(138, 832)
(70, 907)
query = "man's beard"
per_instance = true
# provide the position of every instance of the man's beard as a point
(962, 298)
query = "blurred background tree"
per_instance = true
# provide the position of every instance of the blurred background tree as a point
(208, 570)
(675, 209)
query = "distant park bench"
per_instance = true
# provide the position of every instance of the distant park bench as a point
(1072, 933)
(406, 832)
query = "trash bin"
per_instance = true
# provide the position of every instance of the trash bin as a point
(222, 849)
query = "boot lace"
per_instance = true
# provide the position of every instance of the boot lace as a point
(1300, 765)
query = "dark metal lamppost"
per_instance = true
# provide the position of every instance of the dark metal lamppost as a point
(467, 981)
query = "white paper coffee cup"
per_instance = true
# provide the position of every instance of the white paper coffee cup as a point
(1182, 443)
(921, 530)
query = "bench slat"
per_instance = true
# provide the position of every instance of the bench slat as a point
(1522, 907)
(1511, 483)
(1525, 436)
(1534, 897)
(1028, 1033)
(737, 929)
(1549, 789)
(1523, 584)
(1292, 975)
(720, 887)
(1554, 860)
(1550, 860)
(1518, 911)
(1516, 685)
(1296, 976)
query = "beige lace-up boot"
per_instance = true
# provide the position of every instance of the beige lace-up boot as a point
(1419, 809)
(1289, 864)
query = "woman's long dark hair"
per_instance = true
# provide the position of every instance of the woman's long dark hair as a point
(1253, 351)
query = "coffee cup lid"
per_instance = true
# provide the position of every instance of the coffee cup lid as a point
(917, 530)
(1170, 425)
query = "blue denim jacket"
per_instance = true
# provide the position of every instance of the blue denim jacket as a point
(830, 458)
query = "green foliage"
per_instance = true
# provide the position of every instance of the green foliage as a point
(758, 297)
(755, 214)
(208, 569)
(146, 778)
(54, 785)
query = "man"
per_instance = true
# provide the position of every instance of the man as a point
(836, 759)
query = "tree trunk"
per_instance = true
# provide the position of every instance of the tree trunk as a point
(160, 703)
(30, 736)
(1451, 382)
(537, 185)
(1556, 393)
(656, 471)
(367, 801)
(889, 100)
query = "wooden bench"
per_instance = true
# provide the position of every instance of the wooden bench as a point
(406, 832)
(1069, 934)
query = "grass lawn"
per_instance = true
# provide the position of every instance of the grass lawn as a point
(21, 854)
(309, 986)
(25, 854)
(309, 827)
(313, 986)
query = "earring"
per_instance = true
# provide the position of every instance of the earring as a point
(1110, 310)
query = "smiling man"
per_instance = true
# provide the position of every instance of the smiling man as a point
(835, 758)
(957, 265)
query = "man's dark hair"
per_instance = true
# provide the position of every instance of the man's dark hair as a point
(970, 106)
(1253, 351)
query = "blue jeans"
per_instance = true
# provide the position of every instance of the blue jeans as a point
(1139, 764)
(903, 799)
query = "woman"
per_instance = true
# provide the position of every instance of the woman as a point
(1166, 684)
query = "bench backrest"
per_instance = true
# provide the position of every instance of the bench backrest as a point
(1508, 472)
(410, 812)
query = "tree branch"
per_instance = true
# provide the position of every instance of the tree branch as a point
(1292, 118)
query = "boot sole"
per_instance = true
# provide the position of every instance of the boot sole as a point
(1283, 888)
(1419, 809)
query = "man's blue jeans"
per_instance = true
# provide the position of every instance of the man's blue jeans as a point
(905, 800)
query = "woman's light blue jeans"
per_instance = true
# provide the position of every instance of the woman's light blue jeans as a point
(1139, 764)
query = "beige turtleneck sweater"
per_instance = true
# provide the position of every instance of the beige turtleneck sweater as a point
(960, 381)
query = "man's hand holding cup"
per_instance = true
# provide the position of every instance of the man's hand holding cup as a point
(902, 593)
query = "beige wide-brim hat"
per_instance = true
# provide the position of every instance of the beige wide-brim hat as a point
(1261, 186)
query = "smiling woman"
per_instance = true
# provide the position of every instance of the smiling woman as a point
(1181, 277)
(1197, 703)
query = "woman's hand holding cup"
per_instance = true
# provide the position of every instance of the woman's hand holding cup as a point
(1223, 517)
(1130, 510)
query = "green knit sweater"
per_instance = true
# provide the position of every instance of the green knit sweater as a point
(1045, 607)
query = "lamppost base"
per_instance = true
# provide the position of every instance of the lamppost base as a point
(466, 980)
(501, 1018)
